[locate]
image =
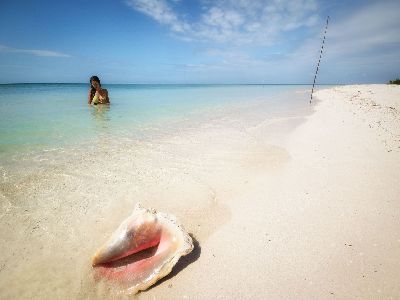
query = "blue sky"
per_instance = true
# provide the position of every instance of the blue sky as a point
(203, 41)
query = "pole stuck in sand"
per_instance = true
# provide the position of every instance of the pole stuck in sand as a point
(320, 55)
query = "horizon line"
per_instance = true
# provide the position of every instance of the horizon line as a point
(16, 83)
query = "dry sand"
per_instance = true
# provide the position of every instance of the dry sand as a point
(288, 208)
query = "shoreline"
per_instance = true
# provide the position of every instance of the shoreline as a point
(284, 209)
(67, 205)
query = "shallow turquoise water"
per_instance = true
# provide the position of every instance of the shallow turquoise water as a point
(40, 116)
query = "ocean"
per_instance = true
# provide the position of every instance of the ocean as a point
(35, 117)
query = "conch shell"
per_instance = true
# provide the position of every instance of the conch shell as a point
(143, 249)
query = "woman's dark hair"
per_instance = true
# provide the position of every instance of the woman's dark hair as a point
(93, 90)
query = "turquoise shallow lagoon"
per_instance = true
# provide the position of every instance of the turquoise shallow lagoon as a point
(46, 116)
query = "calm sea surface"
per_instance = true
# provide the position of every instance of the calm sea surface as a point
(43, 116)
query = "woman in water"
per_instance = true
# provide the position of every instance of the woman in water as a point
(97, 95)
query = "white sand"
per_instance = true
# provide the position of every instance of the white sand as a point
(313, 215)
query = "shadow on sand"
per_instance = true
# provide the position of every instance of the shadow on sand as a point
(182, 263)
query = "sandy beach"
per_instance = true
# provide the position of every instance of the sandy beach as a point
(305, 207)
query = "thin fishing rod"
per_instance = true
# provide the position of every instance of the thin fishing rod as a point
(319, 60)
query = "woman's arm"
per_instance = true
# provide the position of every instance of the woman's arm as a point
(107, 98)
(104, 95)
(90, 97)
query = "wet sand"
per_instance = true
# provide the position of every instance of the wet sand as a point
(295, 207)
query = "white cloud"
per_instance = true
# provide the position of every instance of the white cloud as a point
(35, 52)
(361, 38)
(232, 21)
(366, 40)
(374, 26)
(371, 31)
(161, 11)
